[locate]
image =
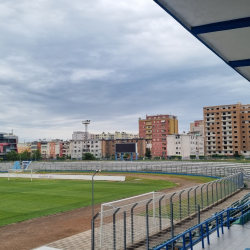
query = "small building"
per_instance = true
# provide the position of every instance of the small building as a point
(79, 148)
(185, 145)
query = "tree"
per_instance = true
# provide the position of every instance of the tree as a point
(148, 153)
(25, 155)
(126, 156)
(36, 155)
(13, 156)
(88, 157)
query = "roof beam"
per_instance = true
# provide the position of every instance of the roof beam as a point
(221, 26)
(239, 63)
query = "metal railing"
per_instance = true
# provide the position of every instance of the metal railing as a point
(146, 221)
(202, 230)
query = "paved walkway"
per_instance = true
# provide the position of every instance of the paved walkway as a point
(236, 238)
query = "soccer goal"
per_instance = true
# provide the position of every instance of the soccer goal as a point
(20, 173)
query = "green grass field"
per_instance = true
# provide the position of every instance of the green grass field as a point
(21, 199)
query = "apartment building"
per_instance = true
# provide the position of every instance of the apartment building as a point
(8, 142)
(79, 135)
(156, 128)
(114, 136)
(197, 127)
(108, 146)
(227, 129)
(79, 148)
(185, 145)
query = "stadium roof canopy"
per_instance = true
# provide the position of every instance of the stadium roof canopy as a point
(221, 25)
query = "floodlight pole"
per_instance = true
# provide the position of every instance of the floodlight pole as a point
(93, 192)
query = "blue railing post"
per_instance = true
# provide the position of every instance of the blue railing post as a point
(228, 222)
(242, 215)
(184, 242)
(207, 229)
(190, 240)
(217, 226)
(221, 220)
(202, 239)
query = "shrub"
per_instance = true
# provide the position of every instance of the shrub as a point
(192, 157)
(201, 157)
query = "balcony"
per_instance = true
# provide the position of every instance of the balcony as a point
(149, 132)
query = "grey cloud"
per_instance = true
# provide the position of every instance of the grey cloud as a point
(108, 61)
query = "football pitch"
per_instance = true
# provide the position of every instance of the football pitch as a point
(21, 199)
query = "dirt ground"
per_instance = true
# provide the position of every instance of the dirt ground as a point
(37, 232)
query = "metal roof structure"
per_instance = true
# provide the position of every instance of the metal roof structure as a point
(221, 25)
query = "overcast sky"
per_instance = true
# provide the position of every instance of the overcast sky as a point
(108, 61)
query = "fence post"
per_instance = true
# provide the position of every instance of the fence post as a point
(199, 214)
(93, 231)
(216, 191)
(189, 201)
(220, 189)
(132, 222)
(147, 226)
(202, 195)
(207, 194)
(124, 228)
(172, 222)
(180, 201)
(114, 229)
(160, 210)
(195, 198)
(213, 192)
(225, 193)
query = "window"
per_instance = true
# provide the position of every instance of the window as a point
(235, 117)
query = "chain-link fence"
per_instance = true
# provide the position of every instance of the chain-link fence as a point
(147, 220)
(205, 169)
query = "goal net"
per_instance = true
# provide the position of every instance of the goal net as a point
(135, 209)
(20, 173)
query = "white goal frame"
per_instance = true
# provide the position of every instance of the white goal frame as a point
(20, 171)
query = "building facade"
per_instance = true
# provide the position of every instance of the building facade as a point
(8, 142)
(79, 148)
(227, 129)
(108, 146)
(114, 136)
(197, 127)
(21, 147)
(185, 145)
(156, 128)
(80, 136)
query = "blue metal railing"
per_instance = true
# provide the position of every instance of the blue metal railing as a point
(201, 231)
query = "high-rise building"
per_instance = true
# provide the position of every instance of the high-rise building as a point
(227, 129)
(156, 128)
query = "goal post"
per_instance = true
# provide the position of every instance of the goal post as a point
(23, 173)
